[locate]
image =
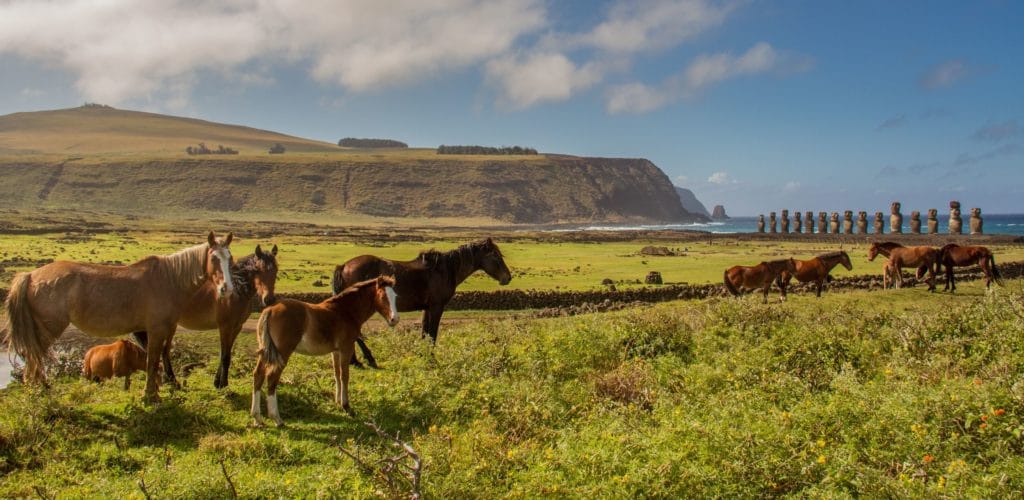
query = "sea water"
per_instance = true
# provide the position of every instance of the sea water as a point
(993, 224)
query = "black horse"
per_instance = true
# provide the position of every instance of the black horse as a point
(425, 283)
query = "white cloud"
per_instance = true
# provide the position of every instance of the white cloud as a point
(703, 72)
(653, 24)
(682, 180)
(123, 49)
(721, 178)
(528, 80)
(791, 187)
(945, 74)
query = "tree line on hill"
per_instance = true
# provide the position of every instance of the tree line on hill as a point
(484, 150)
(352, 142)
(201, 149)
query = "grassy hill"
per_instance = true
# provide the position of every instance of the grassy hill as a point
(99, 158)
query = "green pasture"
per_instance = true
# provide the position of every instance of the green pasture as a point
(535, 265)
(879, 394)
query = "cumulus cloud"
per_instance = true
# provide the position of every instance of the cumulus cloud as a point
(653, 24)
(996, 132)
(893, 122)
(791, 187)
(945, 74)
(122, 49)
(531, 79)
(703, 72)
(721, 178)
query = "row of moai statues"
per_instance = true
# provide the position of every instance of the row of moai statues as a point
(831, 224)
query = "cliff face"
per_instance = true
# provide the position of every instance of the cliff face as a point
(545, 189)
(691, 203)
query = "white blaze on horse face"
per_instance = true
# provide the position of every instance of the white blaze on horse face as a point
(224, 256)
(393, 301)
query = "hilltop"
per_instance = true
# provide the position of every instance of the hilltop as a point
(100, 158)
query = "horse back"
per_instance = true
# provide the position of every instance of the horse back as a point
(99, 299)
(412, 280)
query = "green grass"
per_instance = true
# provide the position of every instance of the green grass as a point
(550, 265)
(897, 393)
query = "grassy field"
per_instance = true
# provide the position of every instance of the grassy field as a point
(539, 265)
(879, 394)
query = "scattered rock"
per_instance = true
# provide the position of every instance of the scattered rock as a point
(653, 278)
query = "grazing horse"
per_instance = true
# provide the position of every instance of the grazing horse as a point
(955, 255)
(251, 275)
(330, 327)
(427, 282)
(885, 248)
(120, 359)
(106, 301)
(759, 276)
(816, 269)
(920, 257)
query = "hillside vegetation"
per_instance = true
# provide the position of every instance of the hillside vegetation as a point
(841, 396)
(96, 158)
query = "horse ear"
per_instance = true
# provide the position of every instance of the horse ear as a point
(211, 239)
(259, 252)
(490, 241)
(227, 241)
(273, 251)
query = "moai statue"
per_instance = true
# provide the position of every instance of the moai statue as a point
(848, 222)
(798, 223)
(933, 221)
(833, 224)
(915, 222)
(772, 223)
(760, 223)
(809, 219)
(976, 221)
(896, 219)
(862, 222)
(785, 221)
(879, 223)
(823, 222)
(956, 224)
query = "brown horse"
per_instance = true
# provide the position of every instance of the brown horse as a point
(427, 282)
(955, 255)
(816, 269)
(330, 327)
(107, 301)
(759, 276)
(920, 257)
(120, 359)
(251, 275)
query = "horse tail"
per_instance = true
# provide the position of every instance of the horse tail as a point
(728, 284)
(270, 353)
(87, 365)
(23, 336)
(338, 280)
(995, 270)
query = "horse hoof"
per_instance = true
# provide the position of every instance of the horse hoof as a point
(374, 366)
(279, 423)
(349, 411)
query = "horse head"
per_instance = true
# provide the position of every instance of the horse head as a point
(386, 300)
(844, 259)
(266, 275)
(873, 252)
(490, 259)
(218, 263)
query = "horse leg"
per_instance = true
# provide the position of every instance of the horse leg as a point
(168, 369)
(766, 289)
(336, 358)
(931, 278)
(426, 322)
(273, 377)
(821, 283)
(258, 376)
(127, 381)
(435, 323)
(366, 353)
(159, 335)
(228, 334)
(345, 353)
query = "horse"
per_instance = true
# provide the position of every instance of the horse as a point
(888, 274)
(920, 257)
(330, 327)
(955, 255)
(251, 275)
(816, 269)
(120, 359)
(427, 282)
(106, 301)
(759, 276)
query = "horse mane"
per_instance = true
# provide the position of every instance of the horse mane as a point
(832, 255)
(187, 267)
(432, 258)
(358, 287)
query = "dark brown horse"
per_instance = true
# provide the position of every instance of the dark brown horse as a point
(816, 269)
(252, 275)
(106, 301)
(427, 282)
(759, 276)
(330, 327)
(955, 255)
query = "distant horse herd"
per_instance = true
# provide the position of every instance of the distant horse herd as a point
(203, 287)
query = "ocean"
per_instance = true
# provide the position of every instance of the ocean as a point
(993, 224)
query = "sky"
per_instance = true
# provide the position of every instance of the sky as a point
(756, 105)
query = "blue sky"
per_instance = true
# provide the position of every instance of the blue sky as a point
(757, 105)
